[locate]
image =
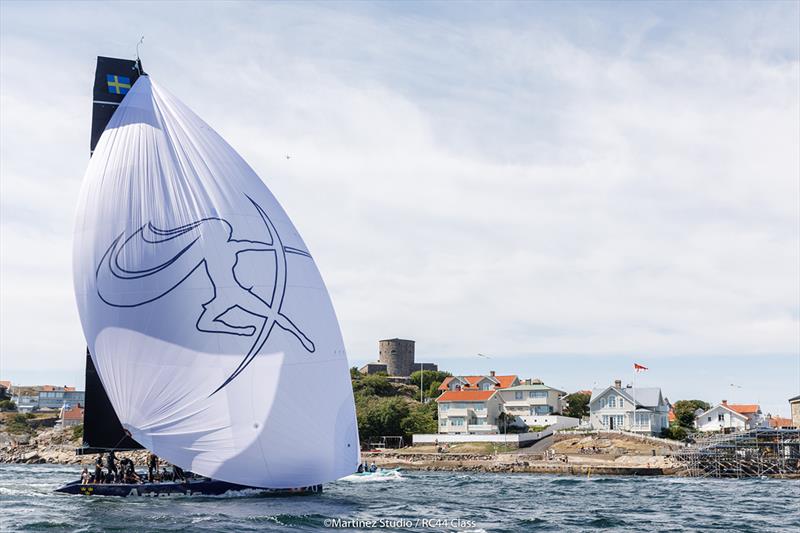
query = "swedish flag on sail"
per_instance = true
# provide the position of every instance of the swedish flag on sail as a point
(118, 84)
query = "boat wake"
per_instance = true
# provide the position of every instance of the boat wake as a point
(374, 477)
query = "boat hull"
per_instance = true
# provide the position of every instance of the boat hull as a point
(199, 487)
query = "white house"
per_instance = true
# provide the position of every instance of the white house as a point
(530, 400)
(469, 411)
(727, 417)
(613, 408)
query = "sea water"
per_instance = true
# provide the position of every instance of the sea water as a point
(420, 501)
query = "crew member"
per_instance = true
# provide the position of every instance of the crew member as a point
(152, 467)
(111, 464)
(98, 469)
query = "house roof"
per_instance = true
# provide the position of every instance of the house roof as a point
(465, 396)
(743, 408)
(645, 396)
(795, 399)
(73, 413)
(721, 406)
(535, 386)
(780, 422)
(5, 384)
(472, 381)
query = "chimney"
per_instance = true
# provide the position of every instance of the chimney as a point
(491, 373)
(618, 383)
(724, 402)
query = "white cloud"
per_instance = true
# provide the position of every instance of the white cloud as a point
(532, 183)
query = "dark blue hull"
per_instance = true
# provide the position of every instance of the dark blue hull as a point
(194, 487)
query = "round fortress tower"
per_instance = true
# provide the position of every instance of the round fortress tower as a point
(398, 355)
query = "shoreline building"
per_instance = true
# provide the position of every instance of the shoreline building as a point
(532, 400)
(731, 417)
(46, 397)
(490, 382)
(794, 405)
(396, 358)
(469, 411)
(613, 408)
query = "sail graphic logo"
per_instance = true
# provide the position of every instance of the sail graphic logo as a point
(209, 244)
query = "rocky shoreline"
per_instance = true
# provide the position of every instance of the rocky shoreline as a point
(521, 463)
(51, 446)
(57, 446)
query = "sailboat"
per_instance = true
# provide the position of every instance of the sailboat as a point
(212, 340)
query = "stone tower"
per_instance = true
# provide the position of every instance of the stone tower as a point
(398, 355)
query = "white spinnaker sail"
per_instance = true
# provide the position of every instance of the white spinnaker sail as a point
(207, 319)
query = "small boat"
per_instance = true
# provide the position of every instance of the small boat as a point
(381, 474)
(191, 487)
(211, 337)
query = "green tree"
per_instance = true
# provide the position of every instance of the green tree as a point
(77, 431)
(422, 418)
(7, 405)
(577, 405)
(374, 385)
(684, 411)
(424, 378)
(354, 373)
(380, 416)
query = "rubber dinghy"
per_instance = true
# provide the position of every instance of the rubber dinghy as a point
(211, 334)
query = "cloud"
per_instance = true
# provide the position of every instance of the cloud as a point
(528, 181)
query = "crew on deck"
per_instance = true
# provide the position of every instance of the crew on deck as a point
(126, 473)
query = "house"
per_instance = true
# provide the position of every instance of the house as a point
(71, 416)
(530, 399)
(54, 397)
(778, 422)
(727, 417)
(25, 403)
(469, 411)
(794, 404)
(490, 382)
(613, 408)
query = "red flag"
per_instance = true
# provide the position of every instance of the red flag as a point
(638, 367)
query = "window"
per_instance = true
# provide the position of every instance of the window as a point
(445, 406)
(443, 422)
(603, 403)
(621, 403)
(542, 410)
(721, 417)
(458, 421)
(605, 421)
(518, 395)
(612, 401)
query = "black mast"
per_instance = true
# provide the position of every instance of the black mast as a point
(102, 429)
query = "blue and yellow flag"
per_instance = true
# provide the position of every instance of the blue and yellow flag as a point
(118, 84)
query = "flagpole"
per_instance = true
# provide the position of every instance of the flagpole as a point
(633, 422)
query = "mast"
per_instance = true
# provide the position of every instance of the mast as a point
(102, 429)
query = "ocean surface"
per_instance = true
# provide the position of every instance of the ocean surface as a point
(421, 501)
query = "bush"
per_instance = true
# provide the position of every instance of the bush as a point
(675, 432)
(19, 423)
(7, 405)
(374, 385)
(77, 431)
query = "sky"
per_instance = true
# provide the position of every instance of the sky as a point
(566, 187)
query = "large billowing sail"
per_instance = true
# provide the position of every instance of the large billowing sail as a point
(205, 314)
